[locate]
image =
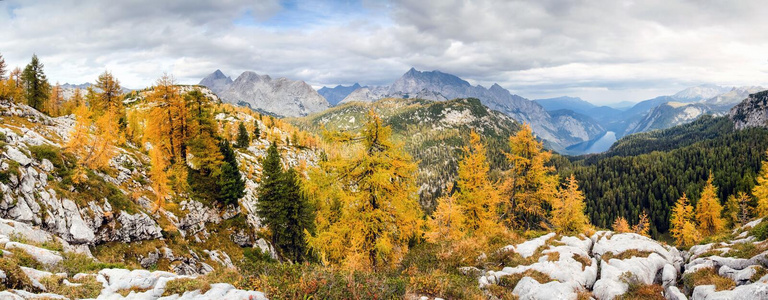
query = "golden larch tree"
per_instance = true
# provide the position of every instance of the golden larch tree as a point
(477, 197)
(159, 177)
(737, 209)
(681, 227)
(708, 210)
(620, 225)
(568, 209)
(760, 191)
(530, 184)
(80, 140)
(375, 201)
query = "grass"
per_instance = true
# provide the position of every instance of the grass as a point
(584, 260)
(179, 286)
(15, 277)
(134, 289)
(638, 290)
(761, 271)
(708, 276)
(74, 263)
(746, 250)
(607, 256)
(88, 288)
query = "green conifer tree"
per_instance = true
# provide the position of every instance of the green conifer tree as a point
(231, 185)
(242, 136)
(36, 85)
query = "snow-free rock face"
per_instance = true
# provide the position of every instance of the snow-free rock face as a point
(752, 112)
(217, 81)
(282, 96)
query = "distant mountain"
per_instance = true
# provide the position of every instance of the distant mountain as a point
(571, 103)
(734, 96)
(68, 90)
(282, 96)
(433, 133)
(439, 86)
(670, 114)
(603, 115)
(216, 81)
(701, 92)
(338, 93)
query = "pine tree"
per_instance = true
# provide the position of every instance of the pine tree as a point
(283, 208)
(568, 209)
(760, 191)
(369, 203)
(708, 210)
(231, 184)
(109, 95)
(36, 85)
(530, 184)
(3, 67)
(682, 228)
(242, 136)
(256, 130)
(620, 225)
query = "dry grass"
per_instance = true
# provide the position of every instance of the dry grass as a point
(644, 292)
(625, 255)
(553, 256)
(510, 281)
(89, 288)
(179, 286)
(708, 276)
(759, 274)
(584, 260)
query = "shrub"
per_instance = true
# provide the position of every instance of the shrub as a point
(15, 277)
(760, 231)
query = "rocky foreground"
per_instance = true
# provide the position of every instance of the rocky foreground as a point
(23, 245)
(608, 265)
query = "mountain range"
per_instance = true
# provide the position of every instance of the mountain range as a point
(336, 94)
(281, 96)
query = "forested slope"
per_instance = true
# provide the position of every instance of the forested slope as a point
(650, 171)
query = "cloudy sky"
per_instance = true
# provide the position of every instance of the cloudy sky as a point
(603, 51)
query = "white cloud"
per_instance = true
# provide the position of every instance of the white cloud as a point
(601, 50)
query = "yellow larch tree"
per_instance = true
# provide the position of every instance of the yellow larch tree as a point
(737, 209)
(760, 191)
(620, 225)
(370, 204)
(80, 139)
(159, 177)
(643, 226)
(708, 210)
(682, 227)
(477, 198)
(530, 184)
(109, 96)
(568, 209)
(447, 224)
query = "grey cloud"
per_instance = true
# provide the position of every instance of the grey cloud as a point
(533, 47)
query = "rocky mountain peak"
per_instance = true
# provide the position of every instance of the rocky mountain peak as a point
(700, 92)
(216, 81)
(282, 96)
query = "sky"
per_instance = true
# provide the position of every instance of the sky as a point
(604, 51)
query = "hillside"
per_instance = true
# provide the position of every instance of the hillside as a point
(433, 133)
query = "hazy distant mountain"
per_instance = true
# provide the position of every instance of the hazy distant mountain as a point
(216, 81)
(338, 93)
(282, 96)
(734, 96)
(671, 114)
(604, 115)
(439, 86)
(701, 92)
